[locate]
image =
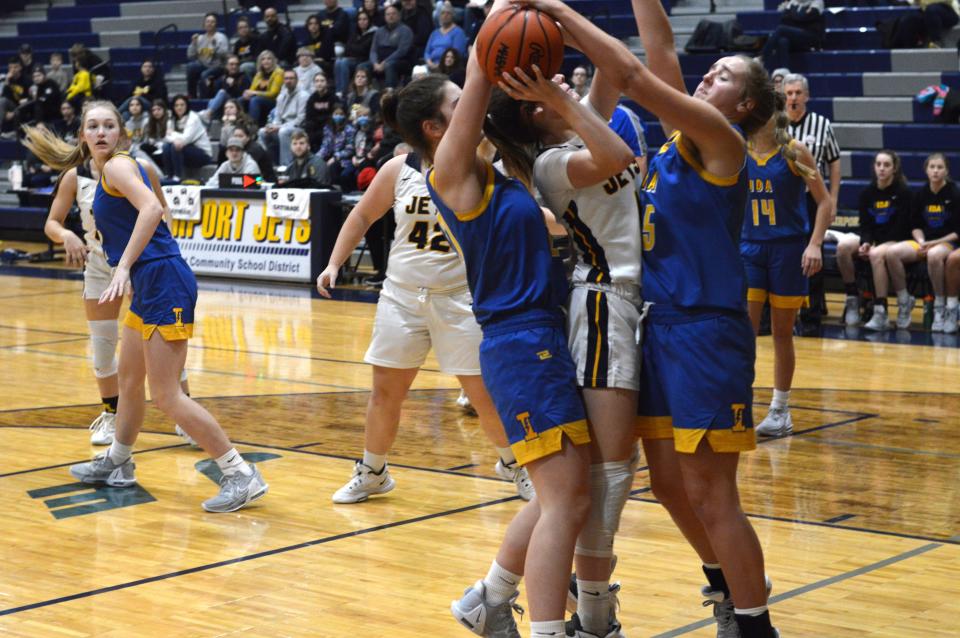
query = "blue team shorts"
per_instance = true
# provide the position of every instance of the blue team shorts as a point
(164, 298)
(697, 379)
(532, 380)
(775, 268)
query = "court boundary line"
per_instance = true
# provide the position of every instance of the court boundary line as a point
(255, 556)
(885, 448)
(41, 294)
(69, 463)
(43, 343)
(820, 584)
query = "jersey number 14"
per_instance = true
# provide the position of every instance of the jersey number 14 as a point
(766, 208)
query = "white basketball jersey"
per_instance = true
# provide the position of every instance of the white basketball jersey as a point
(421, 256)
(86, 190)
(603, 219)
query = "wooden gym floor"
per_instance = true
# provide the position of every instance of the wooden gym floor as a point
(858, 512)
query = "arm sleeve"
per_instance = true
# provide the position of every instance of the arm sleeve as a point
(221, 49)
(192, 49)
(831, 149)
(214, 180)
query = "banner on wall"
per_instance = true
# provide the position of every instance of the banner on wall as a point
(184, 201)
(234, 237)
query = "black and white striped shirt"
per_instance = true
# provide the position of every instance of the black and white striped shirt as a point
(816, 133)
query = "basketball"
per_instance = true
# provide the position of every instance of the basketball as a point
(519, 37)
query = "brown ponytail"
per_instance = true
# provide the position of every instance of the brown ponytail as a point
(781, 134)
(507, 125)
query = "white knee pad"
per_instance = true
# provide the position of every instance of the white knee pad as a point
(104, 335)
(610, 485)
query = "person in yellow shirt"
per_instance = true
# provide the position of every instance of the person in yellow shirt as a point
(262, 95)
(82, 86)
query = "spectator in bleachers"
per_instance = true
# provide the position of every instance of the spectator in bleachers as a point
(68, 125)
(45, 99)
(246, 47)
(91, 62)
(149, 87)
(26, 59)
(933, 225)
(278, 37)
(777, 76)
(363, 143)
(335, 29)
(156, 132)
(258, 153)
(477, 12)
(939, 16)
(372, 9)
(207, 55)
(314, 40)
(13, 95)
(136, 127)
(459, 8)
(319, 107)
(238, 162)
(232, 119)
(38, 174)
(816, 133)
(580, 80)
(356, 51)
(186, 144)
(392, 53)
(418, 19)
(447, 36)
(284, 119)
(361, 91)
(305, 169)
(82, 86)
(306, 69)
(266, 85)
(884, 220)
(337, 147)
(802, 27)
(453, 66)
(231, 84)
(952, 313)
(59, 73)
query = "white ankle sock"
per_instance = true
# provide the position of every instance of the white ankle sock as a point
(753, 611)
(500, 583)
(903, 296)
(939, 302)
(119, 452)
(231, 463)
(593, 605)
(374, 461)
(953, 302)
(781, 398)
(547, 629)
(506, 455)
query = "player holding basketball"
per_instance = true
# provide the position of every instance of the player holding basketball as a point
(425, 301)
(586, 176)
(776, 254)
(698, 350)
(160, 320)
(79, 184)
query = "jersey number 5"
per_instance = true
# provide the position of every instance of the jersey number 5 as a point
(649, 231)
(420, 235)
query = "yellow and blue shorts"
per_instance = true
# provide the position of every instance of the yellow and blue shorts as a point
(532, 380)
(916, 245)
(775, 269)
(164, 298)
(697, 379)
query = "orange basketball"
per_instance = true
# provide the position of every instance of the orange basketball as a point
(519, 37)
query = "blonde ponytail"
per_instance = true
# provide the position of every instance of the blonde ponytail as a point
(56, 152)
(781, 135)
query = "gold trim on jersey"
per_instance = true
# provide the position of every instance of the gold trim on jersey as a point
(449, 234)
(550, 441)
(171, 332)
(477, 210)
(654, 427)
(704, 174)
(103, 176)
(762, 160)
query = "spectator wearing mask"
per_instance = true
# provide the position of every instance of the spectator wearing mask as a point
(363, 143)
(337, 147)
(802, 28)
(335, 27)
(420, 22)
(392, 51)
(186, 144)
(278, 38)
(285, 118)
(231, 85)
(148, 88)
(356, 51)
(306, 69)
(265, 88)
(207, 54)
(246, 47)
(237, 163)
(59, 73)
(305, 169)
(258, 153)
(320, 105)
(447, 36)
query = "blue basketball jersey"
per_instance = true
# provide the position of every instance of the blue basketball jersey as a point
(115, 218)
(777, 206)
(691, 233)
(505, 245)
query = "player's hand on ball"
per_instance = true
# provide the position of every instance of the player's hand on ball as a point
(521, 86)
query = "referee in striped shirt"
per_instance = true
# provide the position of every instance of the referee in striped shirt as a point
(816, 133)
